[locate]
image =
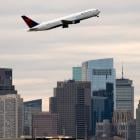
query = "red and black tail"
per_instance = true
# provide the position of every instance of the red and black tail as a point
(29, 21)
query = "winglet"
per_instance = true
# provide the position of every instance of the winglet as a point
(29, 22)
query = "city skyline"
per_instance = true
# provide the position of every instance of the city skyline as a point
(39, 60)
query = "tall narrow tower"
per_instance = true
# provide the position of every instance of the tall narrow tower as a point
(125, 95)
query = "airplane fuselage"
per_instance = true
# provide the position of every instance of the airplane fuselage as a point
(65, 21)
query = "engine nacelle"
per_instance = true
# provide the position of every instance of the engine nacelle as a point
(65, 26)
(76, 21)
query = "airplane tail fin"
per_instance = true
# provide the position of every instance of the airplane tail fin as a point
(29, 22)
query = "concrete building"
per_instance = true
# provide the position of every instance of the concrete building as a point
(6, 86)
(104, 130)
(45, 124)
(77, 73)
(138, 122)
(118, 138)
(125, 95)
(11, 116)
(71, 102)
(30, 107)
(124, 124)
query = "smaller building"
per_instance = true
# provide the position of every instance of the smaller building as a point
(30, 107)
(104, 130)
(124, 124)
(11, 116)
(118, 138)
(77, 73)
(138, 122)
(45, 124)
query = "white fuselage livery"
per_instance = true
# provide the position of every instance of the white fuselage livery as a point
(65, 21)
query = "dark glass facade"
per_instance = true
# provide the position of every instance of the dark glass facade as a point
(30, 107)
(102, 106)
(6, 86)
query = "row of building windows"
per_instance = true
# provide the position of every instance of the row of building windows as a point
(102, 72)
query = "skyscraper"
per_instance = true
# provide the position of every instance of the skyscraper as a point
(99, 72)
(11, 116)
(6, 86)
(30, 107)
(72, 104)
(102, 76)
(125, 95)
(138, 122)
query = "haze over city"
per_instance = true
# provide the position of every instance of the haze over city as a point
(40, 59)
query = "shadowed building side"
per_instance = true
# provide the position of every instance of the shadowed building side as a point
(71, 102)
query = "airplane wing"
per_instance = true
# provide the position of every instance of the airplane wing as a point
(65, 23)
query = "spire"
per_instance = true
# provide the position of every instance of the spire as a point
(122, 72)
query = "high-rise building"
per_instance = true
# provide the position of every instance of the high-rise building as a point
(138, 122)
(102, 75)
(125, 95)
(45, 124)
(102, 106)
(77, 73)
(71, 102)
(6, 86)
(99, 72)
(11, 116)
(30, 107)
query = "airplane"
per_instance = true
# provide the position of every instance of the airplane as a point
(64, 21)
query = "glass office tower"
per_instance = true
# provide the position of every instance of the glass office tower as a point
(99, 72)
(102, 75)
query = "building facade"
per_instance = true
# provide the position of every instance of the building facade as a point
(125, 95)
(77, 73)
(104, 130)
(45, 124)
(30, 107)
(102, 106)
(6, 86)
(138, 122)
(99, 72)
(11, 116)
(124, 124)
(102, 75)
(71, 102)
